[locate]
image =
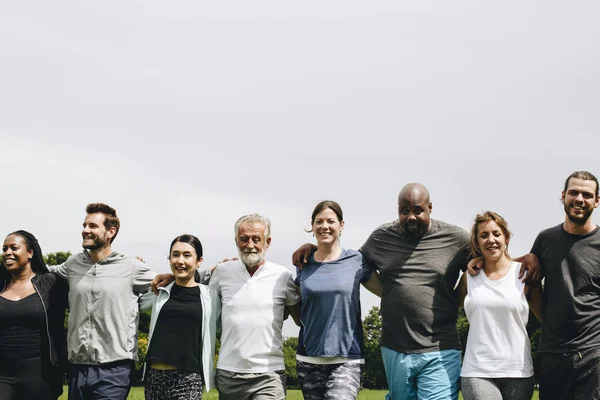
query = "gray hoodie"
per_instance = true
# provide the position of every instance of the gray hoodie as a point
(103, 300)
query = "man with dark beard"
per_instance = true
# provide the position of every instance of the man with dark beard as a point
(569, 253)
(254, 294)
(104, 288)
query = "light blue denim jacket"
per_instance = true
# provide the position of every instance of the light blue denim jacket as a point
(211, 306)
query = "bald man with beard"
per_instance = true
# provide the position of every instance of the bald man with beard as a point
(419, 261)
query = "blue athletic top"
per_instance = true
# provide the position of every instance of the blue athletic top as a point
(331, 320)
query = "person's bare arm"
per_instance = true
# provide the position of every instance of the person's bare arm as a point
(301, 255)
(531, 264)
(161, 280)
(535, 297)
(475, 265)
(462, 290)
(294, 312)
(373, 285)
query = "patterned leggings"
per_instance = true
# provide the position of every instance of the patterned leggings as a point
(329, 381)
(172, 385)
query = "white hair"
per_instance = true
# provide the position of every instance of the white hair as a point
(254, 218)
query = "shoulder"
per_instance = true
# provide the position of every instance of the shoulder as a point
(387, 227)
(552, 232)
(350, 253)
(46, 279)
(277, 269)
(131, 261)
(167, 289)
(229, 268)
(350, 256)
(450, 230)
(78, 259)
(385, 230)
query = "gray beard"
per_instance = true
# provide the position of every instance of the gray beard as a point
(252, 260)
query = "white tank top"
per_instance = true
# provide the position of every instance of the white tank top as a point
(497, 344)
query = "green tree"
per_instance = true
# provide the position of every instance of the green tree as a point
(57, 258)
(462, 326)
(374, 372)
(289, 357)
(144, 323)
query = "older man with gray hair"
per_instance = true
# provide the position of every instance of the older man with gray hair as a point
(254, 295)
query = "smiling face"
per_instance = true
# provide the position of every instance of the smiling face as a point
(252, 244)
(579, 200)
(16, 257)
(414, 212)
(95, 235)
(184, 261)
(491, 240)
(327, 227)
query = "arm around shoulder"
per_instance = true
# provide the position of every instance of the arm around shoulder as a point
(461, 290)
(59, 270)
(535, 297)
(373, 284)
(142, 277)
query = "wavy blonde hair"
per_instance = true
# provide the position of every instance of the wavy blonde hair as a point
(486, 217)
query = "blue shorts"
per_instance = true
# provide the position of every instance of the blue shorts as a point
(424, 376)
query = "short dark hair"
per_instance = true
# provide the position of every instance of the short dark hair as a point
(585, 175)
(38, 265)
(189, 239)
(110, 216)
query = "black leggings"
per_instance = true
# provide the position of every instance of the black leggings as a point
(23, 380)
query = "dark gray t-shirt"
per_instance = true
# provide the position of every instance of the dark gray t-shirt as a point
(419, 306)
(571, 265)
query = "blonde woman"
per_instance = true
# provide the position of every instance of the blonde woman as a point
(497, 363)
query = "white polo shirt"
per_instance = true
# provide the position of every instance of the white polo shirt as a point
(252, 310)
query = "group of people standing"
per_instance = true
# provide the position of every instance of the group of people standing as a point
(413, 263)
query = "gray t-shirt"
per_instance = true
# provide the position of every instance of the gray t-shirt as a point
(571, 265)
(419, 306)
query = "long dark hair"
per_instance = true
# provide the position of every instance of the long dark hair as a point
(38, 265)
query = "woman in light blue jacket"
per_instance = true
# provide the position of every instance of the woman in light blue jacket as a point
(181, 344)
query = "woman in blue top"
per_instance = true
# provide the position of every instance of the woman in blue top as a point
(181, 344)
(330, 343)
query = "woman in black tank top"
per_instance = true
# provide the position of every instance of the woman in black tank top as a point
(181, 317)
(32, 308)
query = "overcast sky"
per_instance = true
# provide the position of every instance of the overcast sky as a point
(185, 115)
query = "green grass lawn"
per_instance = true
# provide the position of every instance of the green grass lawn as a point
(137, 393)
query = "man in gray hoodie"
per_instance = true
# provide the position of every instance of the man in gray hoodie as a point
(104, 287)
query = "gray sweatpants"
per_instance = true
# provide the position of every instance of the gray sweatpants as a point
(497, 388)
(251, 386)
